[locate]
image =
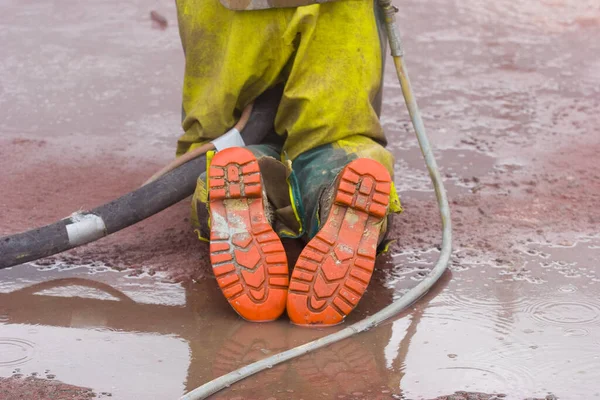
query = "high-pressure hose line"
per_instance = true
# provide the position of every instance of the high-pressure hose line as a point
(164, 189)
(415, 293)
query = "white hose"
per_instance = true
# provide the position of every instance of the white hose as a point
(409, 298)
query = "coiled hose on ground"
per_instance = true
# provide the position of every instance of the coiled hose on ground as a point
(415, 293)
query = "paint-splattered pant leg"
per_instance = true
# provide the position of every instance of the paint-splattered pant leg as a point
(328, 55)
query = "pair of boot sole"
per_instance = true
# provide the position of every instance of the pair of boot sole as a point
(333, 270)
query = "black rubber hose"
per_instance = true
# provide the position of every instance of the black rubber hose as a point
(87, 226)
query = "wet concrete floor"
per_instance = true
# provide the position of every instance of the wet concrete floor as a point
(510, 91)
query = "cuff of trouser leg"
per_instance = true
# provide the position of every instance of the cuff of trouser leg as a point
(201, 236)
(395, 205)
(295, 201)
(383, 242)
(184, 147)
(200, 215)
(384, 246)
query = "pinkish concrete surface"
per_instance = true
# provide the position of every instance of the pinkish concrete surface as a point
(510, 91)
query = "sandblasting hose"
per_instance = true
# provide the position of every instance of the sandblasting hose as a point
(164, 189)
(415, 293)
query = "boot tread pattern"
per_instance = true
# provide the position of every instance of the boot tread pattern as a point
(248, 259)
(334, 270)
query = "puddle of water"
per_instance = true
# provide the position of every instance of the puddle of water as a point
(118, 342)
(482, 329)
(505, 328)
(515, 337)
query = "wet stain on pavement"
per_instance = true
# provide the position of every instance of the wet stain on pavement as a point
(510, 92)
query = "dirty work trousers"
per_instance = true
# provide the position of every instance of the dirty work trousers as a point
(329, 58)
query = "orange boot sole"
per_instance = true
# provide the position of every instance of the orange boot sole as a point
(247, 256)
(335, 267)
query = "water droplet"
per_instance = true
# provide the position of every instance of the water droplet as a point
(578, 332)
(15, 351)
(565, 312)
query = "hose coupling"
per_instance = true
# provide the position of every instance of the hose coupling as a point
(389, 14)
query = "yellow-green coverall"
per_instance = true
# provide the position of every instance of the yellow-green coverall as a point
(329, 59)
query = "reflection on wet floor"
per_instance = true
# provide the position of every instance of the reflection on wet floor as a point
(522, 330)
(483, 329)
(106, 331)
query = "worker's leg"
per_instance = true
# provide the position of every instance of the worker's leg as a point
(231, 57)
(328, 106)
(334, 77)
(335, 141)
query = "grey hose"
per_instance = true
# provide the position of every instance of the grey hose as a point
(409, 298)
